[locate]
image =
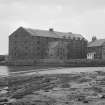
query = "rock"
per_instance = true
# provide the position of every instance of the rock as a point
(102, 97)
(3, 100)
(81, 98)
(85, 101)
(3, 92)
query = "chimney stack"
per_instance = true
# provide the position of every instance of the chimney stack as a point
(51, 29)
(94, 38)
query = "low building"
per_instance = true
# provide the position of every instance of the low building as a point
(26, 43)
(96, 49)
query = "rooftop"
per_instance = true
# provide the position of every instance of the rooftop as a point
(96, 43)
(52, 33)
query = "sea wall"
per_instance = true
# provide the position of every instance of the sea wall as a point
(57, 63)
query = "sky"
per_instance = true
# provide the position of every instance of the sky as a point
(86, 17)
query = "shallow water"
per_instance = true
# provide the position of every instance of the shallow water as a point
(73, 70)
(4, 71)
(7, 70)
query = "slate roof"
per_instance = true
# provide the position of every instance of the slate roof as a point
(96, 43)
(54, 34)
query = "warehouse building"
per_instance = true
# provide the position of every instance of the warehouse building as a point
(26, 43)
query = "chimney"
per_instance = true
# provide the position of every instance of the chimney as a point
(51, 29)
(94, 38)
(70, 32)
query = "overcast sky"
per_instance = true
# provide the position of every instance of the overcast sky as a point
(86, 17)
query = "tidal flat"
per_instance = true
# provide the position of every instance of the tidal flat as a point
(82, 88)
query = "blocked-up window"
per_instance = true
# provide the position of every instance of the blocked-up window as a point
(38, 42)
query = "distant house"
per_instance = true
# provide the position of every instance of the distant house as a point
(96, 49)
(26, 43)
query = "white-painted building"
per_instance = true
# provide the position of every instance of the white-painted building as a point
(91, 55)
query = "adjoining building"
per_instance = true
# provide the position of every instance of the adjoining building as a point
(26, 43)
(96, 49)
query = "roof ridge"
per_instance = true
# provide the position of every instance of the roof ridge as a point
(95, 43)
(48, 33)
(53, 31)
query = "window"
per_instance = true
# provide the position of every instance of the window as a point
(25, 41)
(69, 37)
(38, 42)
(38, 48)
(51, 54)
(47, 39)
(64, 37)
(38, 54)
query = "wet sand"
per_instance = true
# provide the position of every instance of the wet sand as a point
(54, 86)
(58, 70)
(58, 88)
